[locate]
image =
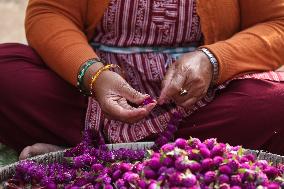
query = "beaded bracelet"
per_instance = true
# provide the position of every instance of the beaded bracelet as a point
(98, 73)
(214, 63)
(82, 72)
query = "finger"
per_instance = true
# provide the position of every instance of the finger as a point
(131, 94)
(189, 102)
(168, 77)
(172, 89)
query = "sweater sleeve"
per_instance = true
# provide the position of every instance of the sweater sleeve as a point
(55, 30)
(259, 46)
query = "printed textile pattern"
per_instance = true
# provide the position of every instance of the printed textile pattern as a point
(151, 24)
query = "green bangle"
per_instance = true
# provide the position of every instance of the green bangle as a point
(82, 71)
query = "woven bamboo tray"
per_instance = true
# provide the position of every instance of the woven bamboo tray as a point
(7, 171)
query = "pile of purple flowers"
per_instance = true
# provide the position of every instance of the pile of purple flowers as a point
(182, 164)
(179, 164)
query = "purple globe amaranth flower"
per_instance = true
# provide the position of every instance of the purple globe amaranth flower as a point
(160, 141)
(205, 152)
(193, 142)
(51, 186)
(181, 143)
(167, 161)
(142, 184)
(130, 177)
(124, 167)
(120, 183)
(154, 163)
(172, 128)
(182, 163)
(236, 180)
(236, 187)
(273, 186)
(261, 179)
(167, 148)
(210, 143)
(97, 167)
(207, 164)
(188, 180)
(217, 160)
(225, 169)
(162, 170)
(175, 179)
(147, 101)
(250, 157)
(154, 185)
(262, 164)
(271, 172)
(209, 177)
(218, 150)
(149, 173)
(233, 164)
(116, 174)
(194, 166)
(223, 178)
(225, 186)
(108, 186)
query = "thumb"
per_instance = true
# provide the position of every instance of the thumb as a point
(131, 94)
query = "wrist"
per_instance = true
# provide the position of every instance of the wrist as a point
(215, 65)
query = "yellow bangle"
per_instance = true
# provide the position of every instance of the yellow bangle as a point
(98, 73)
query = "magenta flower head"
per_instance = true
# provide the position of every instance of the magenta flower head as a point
(210, 143)
(167, 161)
(236, 187)
(142, 184)
(130, 177)
(262, 164)
(97, 167)
(225, 169)
(261, 179)
(172, 128)
(120, 183)
(217, 160)
(124, 167)
(223, 179)
(182, 163)
(271, 172)
(209, 177)
(218, 150)
(205, 152)
(188, 180)
(225, 186)
(116, 174)
(236, 180)
(207, 164)
(194, 142)
(147, 101)
(273, 186)
(175, 179)
(149, 173)
(181, 143)
(108, 186)
(194, 166)
(154, 163)
(154, 185)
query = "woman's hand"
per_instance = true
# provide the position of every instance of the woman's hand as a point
(114, 94)
(192, 72)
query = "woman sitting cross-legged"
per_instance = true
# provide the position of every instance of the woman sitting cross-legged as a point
(214, 62)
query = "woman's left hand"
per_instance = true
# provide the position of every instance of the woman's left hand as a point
(192, 72)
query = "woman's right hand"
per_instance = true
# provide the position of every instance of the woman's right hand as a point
(114, 94)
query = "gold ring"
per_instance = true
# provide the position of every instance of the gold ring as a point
(183, 92)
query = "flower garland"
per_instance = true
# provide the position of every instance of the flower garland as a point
(181, 164)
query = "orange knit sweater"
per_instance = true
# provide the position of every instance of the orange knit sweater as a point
(244, 35)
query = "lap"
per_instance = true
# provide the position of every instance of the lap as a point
(248, 112)
(36, 104)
